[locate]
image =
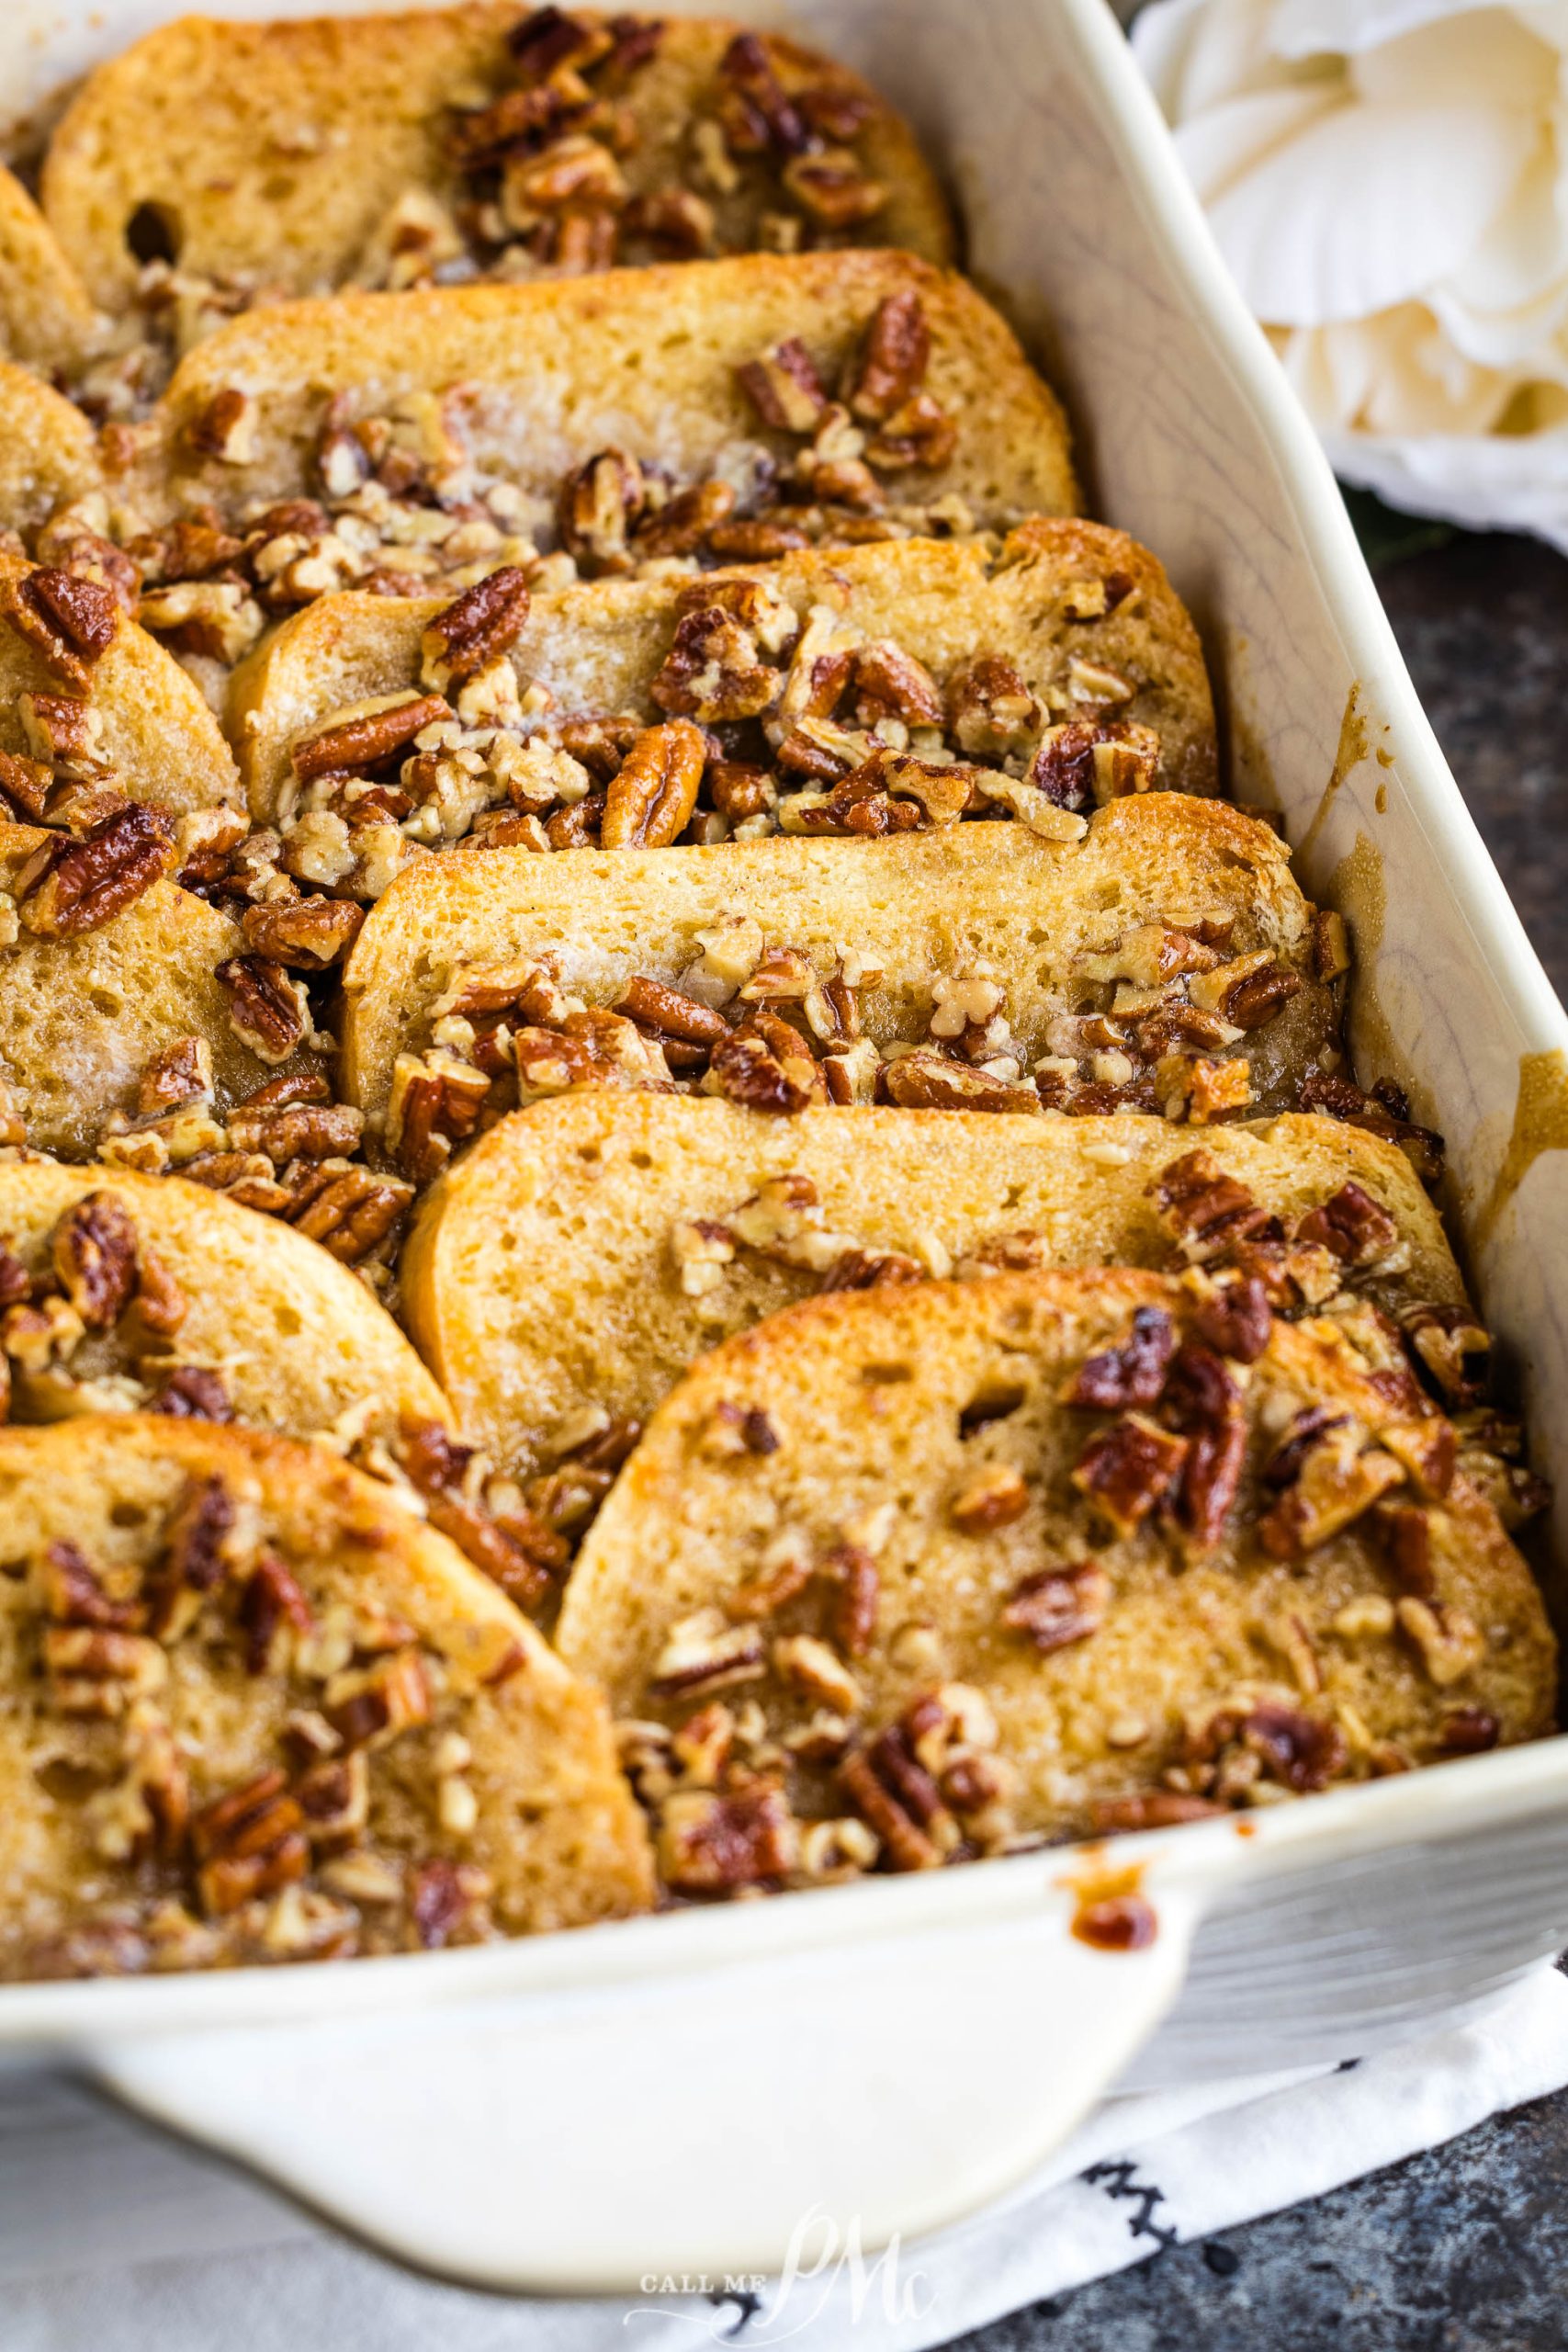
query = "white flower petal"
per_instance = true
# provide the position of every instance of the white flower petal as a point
(1308, 28)
(1195, 56)
(1483, 55)
(1218, 145)
(1367, 206)
(1394, 374)
(1491, 482)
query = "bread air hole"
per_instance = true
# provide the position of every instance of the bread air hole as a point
(153, 233)
(888, 1375)
(991, 1404)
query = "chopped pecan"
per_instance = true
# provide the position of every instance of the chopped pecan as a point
(890, 684)
(1134, 1372)
(650, 801)
(783, 387)
(1451, 1645)
(1298, 1750)
(1203, 1404)
(198, 1554)
(1086, 762)
(436, 1103)
(712, 672)
(1454, 1348)
(226, 428)
(175, 1078)
(755, 111)
(991, 711)
(891, 1789)
(1384, 1112)
(893, 360)
(247, 1843)
(710, 1845)
(670, 1013)
(93, 1252)
(354, 1213)
(833, 188)
(1056, 1607)
(598, 508)
(1468, 1731)
(306, 933)
(361, 739)
(703, 1653)
(763, 1071)
(69, 887)
(1335, 1483)
(70, 623)
(872, 1270)
(1129, 1469)
(73, 1594)
(520, 119)
(270, 1598)
(1234, 1317)
(681, 526)
(369, 1706)
(734, 1430)
(193, 1392)
(518, 1556)
(929, 1081)
(297, 1131)
(269, 1011)
(678, 223)
(1209, 1212)
(852, 1568)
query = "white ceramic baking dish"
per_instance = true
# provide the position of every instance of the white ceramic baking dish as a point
(679, 2094)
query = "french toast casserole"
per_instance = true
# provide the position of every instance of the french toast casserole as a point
(682, 1211)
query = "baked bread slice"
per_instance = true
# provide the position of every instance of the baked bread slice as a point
(965, 1563)
(980, 968)
(300, 157)
(673, 368)
(1060, 670)
(48, 451)
(92, 705)
(109, 967)
(251, 1709)
(561, 1276)
(45, 318)
(138, 1292)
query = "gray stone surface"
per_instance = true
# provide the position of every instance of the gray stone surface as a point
(1464, 2249)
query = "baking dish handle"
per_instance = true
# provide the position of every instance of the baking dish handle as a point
(698, 2123)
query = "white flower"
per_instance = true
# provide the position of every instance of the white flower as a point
(1388, 180)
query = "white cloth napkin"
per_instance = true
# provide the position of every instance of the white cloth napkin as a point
(113, 2237)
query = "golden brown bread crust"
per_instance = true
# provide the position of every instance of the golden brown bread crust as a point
(300, 1617)
(158, 741)
(297, 1342)
(923, 907)
(276, 151)
(49, 452)
(598, 647)
(555, 1269)
(1125, 1656)
(45, 318)
(643, 360)
(81, 1017)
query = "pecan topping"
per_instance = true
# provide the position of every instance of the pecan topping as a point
(1056, 1607)
(712, 672)
(1454, 1348)
(1132, 1374)
(181, 1075)
(994, 1499)
(363, 738)
(1149, 1809)
(783, 387)
(891, 1789)
(1234, 1317)
(1335, 1484)
(757, 115)
(68, 887)
(710, 1844)
(651, 802)
(306, 933)
(195, 1555)
(1203, 1404)
(1384, 1112)
(670, 1013)
(1298, 1751)
(764, 1066)
(597, 510)
(191, 1393)
(434, 1103)
(852, 1568)
(94, 1259)
(73, 1594)
(1208, 1211)
(1356, 1228)
(249, 1842)
(928, 1081)
(703, 1653)
(1468, 1731)
(69, 622)
(370, 1706)
(892, 361)
(271, 1598)
(1087, 761)
(1129, 1469)
(480, 625)
(890, 684)
(832, 187)
(352, 1214)
(268, 1010)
